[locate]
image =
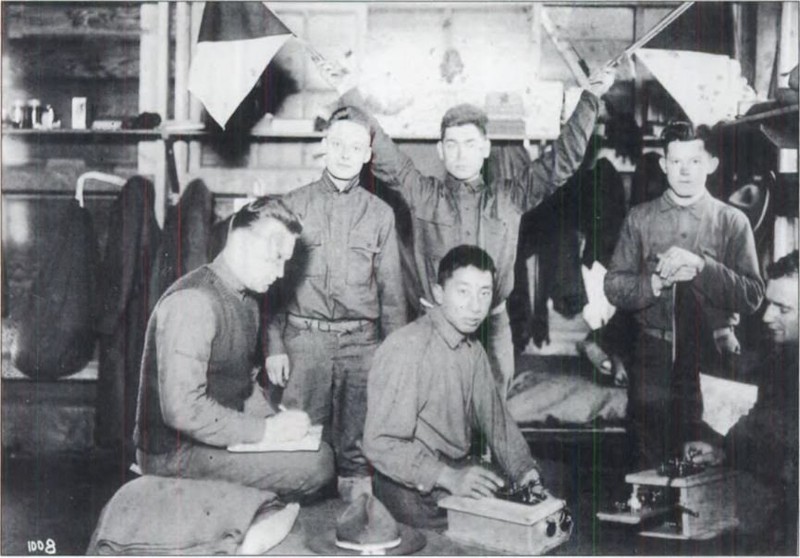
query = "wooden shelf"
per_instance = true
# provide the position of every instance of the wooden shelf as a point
(77, 34)
(266, 134)
(66, 132)
(151, 135)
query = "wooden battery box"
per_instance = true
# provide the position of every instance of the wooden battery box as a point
(698, 506)
(505, 526)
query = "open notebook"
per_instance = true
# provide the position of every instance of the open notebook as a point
(310, 442)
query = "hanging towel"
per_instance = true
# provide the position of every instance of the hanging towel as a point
(56, 336)
(125, 301)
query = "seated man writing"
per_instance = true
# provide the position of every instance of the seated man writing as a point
(198, 394)
(429, 386)
(764, 442)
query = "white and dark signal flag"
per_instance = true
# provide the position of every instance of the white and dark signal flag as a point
(236, 42)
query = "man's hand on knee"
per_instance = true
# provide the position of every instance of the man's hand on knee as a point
(474, 481)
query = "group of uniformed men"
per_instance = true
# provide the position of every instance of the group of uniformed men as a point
(399, 401)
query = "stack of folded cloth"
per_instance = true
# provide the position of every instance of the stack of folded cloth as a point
(157, 515)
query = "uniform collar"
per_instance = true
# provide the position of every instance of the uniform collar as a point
(476, 184)
(451, 335)
(221, 268)
(696, 209)
(326, 178)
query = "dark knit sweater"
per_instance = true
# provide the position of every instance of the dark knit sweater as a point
(228, 364)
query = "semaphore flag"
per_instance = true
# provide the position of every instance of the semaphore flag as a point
(236, 42)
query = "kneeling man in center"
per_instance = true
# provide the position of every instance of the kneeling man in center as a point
(430, 384)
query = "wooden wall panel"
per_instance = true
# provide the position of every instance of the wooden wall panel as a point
(74, 18)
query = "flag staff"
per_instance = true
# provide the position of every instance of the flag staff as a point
(578, 65)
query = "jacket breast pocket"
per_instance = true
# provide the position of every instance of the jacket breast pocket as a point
(362, 250)
(435, 235)
(310, 257)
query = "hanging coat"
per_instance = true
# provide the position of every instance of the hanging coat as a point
(591, 203)
(218, 238)
(186, 239)
(125, 301)
(55, 335)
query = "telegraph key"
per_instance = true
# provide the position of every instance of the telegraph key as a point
(518, 520)
(690, 500)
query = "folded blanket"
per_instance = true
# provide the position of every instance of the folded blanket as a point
(159, 515)
(547, 397)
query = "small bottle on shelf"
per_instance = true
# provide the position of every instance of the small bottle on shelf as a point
(18, 114)
(35, 113)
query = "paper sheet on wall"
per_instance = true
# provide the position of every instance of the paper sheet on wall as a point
(420, 113)
(725, 401)
(310, 442)
(708, 87)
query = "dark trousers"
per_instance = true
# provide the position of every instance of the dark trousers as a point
(410, 506)
(328, 380)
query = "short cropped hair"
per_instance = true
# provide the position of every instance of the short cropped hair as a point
(685, 131)
(784, 267)
(462, 115)
(266, 207)
(464, 256)
(350, 114)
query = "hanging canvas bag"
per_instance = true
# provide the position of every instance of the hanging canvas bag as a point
(56, 334)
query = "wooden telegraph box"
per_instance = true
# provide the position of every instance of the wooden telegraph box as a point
(505, 526)
(698, 506)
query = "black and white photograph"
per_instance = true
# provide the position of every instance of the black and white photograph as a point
(437, 278)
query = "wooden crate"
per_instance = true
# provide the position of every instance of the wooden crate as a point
(504, 526)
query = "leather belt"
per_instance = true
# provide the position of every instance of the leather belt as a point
(658, 333)
(339, 326)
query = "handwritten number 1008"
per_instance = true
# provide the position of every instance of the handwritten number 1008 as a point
(48, 546)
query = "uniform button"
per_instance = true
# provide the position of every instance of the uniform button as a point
(420, 487)
(684, 235)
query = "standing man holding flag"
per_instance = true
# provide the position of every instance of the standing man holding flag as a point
(465, 208)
